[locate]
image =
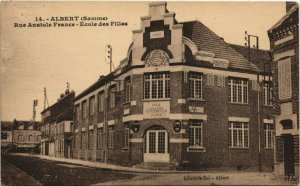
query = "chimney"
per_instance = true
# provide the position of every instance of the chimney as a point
(289, 5)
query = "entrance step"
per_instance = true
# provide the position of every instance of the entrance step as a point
(154, 166)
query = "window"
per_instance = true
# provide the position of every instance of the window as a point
(267, 94)
(77, 112)
(83, 140)
(90, 140)
(238, 90)
(92, 106)
(111, 137)
(101, 101)
(157, 85)
(127, 89)
(101, 138)
(284, 79)
(20, 137)
(126, 136)
(84, 109)
(195, 82)
(112, 96)
(238, 135)
(195, 133)
(4, 135)
(269, 135)
(30, 138)
(78, 141)
(39, 138)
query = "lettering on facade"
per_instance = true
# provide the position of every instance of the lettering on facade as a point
(156, 109)
(156, 34)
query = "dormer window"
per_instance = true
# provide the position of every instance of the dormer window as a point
(21, 127)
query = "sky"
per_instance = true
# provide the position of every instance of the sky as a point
(34, 58)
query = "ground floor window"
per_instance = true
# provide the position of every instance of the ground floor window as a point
(83, 140)
(77, 141)
(269, 135)
(100, 138)
(195, 133)
(90, 140)
(238, 135)
(111, 137)
(126, 137)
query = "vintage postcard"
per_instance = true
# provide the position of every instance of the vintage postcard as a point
(149, 93)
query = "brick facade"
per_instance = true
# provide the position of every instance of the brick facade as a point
(213, 109)
(284, 42)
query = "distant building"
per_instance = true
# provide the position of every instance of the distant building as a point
(6, 135)
(21, 136)
(57, 124)
(284, 42)
(182, 95)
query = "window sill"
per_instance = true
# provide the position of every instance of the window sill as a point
(269, 106)
(127, 102)
(239, 148)
(196, 149)
(242, 104)
(162, 99)
(125, 148)
(195, 99)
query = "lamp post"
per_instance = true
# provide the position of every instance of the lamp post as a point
(248, 43)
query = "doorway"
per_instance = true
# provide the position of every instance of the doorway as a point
(156, 145)
(288, 155)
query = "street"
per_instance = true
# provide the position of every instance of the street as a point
(53, 173)
(26, 170)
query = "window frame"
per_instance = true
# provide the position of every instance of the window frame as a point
(195, 125)
(162, 86)
(101, 99)
(91, 105)
(100, 138)
(126, 136)
(112, 96)
(233, 129)
(127, 89)
(269, 135)
(84, 109)
(193, 81)
(90, 139)
(267, 94)
(111, 137)
(238, 90)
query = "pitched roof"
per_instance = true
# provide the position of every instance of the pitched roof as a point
(207, 40)
(6, 125)
(259, 56)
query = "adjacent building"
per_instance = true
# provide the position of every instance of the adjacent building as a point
(284, 42)
(182, 95)
(57, 124)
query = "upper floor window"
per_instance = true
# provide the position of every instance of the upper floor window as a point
(92, 106)
(84, 109)
(267, 94)
(238, 134)
(127, 88)
(77, 112)
(284, 79)
(112, 96)
(157, 85)
(195, 133)
(195, 83)
(30, 138)
(101, 101)
(21, 127)
(238, 90)
(20, 137)
(269, 135)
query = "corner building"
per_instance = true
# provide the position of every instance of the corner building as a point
(182, 96)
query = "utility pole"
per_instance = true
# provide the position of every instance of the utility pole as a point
(248, 39)
(45, 99)
(109, 56)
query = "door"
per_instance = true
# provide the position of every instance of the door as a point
(288, 155)
(156, 143)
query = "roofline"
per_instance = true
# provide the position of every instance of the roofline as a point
(278, 23)
(72, 92)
